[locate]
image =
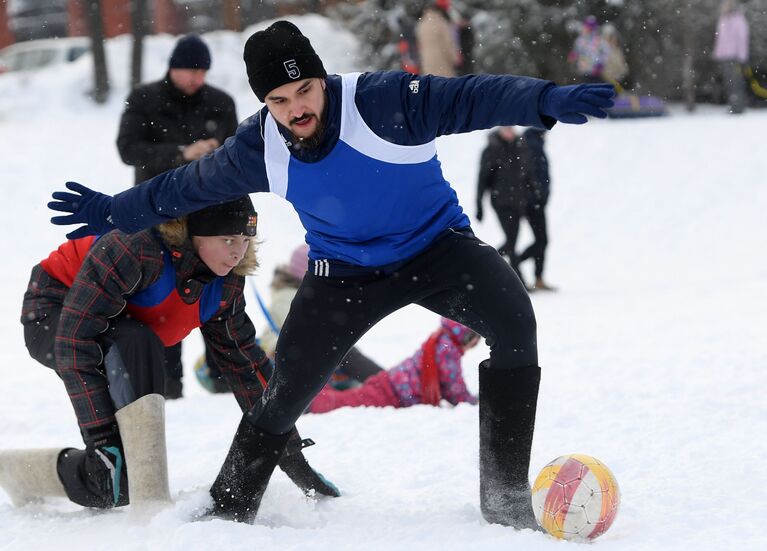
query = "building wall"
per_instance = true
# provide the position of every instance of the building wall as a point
(6, 35)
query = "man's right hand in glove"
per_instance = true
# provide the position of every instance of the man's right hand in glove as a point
(84, 206)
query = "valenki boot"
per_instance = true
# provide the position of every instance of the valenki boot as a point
(142, 430)
(507, 403)
(30, 474)
(246, 471)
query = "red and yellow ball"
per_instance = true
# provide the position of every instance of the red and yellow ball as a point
(575, 497)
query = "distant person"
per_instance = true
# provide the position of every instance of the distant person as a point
(731, 51)
(432, 374)
(169, 123)
(436, 39)
(590, 52)
(615, 70)
(504, 173)
(466, 42)
(537, 197)
(355, 367)
(407, 58)
(407, 45)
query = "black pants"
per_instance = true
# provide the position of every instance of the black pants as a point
(509, 217)
(358, 367)
(173, 367)
(134, 357)
(536, 217)
(459, 277)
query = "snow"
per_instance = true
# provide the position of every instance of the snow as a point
(653, 351)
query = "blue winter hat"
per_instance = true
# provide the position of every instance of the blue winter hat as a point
(190, 53)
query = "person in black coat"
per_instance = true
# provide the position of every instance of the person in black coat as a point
(169, 123)
(178, 119)
(535, 204)
(505, 173)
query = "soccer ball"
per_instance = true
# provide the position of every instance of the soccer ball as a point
(575, 497)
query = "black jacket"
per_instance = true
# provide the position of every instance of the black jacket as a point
(158, 119)
(505, 172)
(539, 163)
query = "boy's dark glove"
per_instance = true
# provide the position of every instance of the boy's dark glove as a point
(97, 476)
(85, 207)
(480, 213)
(310, 481)
(571, 104)
(294, 464)
(107, 473)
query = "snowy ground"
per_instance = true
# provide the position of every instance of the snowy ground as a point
(653, 354)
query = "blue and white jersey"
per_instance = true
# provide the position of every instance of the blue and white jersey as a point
(369, 202)
(372, 193)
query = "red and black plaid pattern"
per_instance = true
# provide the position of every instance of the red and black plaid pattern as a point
(118, 266)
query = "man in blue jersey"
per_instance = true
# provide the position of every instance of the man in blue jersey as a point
(355, 155)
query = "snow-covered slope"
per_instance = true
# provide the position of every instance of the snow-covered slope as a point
(653, 350)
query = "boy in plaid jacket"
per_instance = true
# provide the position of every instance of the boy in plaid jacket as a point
(99, 311)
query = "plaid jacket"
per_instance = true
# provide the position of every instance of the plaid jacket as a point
(116, 267)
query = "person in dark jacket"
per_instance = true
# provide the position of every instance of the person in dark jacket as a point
(98, 311)
(356, 156)
(535, 204)
(170, 123)
(504, 173)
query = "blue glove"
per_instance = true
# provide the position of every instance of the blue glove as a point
(85, 207)
(571, 104)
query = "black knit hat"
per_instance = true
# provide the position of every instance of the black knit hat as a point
(278, 55)
(233, 218)
(190, 53)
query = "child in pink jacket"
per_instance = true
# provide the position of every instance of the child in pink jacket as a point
(433, 373)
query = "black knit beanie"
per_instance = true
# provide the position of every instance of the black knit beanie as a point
(233, 218)
(278, 55)
(190, 53)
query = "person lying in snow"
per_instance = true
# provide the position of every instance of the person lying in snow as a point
(99, 312)
(431, 374)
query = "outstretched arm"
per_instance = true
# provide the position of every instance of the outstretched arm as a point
(233, 170)
(425, 107)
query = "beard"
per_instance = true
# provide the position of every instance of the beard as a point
(313, 141)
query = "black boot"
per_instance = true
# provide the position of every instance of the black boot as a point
(243, 478)
(507, 400)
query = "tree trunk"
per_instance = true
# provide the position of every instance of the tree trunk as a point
(688, 59)
(232, 15)
(100, 91)
(138, 22)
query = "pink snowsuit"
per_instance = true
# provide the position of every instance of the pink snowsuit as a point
(401, 386)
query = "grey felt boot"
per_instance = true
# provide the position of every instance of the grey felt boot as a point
(30, 474)
(142, 429)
